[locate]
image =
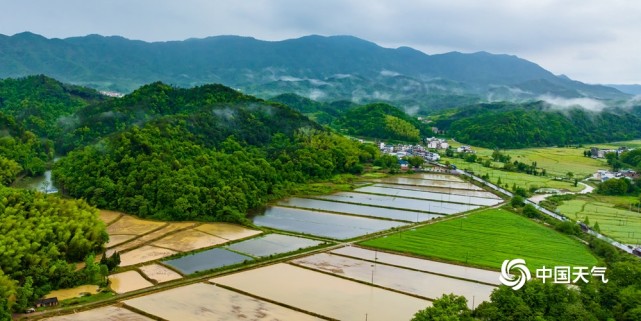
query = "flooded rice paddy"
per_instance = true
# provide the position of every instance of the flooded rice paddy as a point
(206, 260)
(324, 294)
(159, 273)
(144, 254)
(427, 285)
(127, 281)
(333, 226)
(473, 200)
(399, 203)
(442, 190)
(207, 302)
(456, 271)
(358, 209)
(272, 244)
(189, 240)
(71, 293)
(227, 231)
(428, 182)
(108, 313)
(131, 225)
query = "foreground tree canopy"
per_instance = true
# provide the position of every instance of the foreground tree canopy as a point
(39, 235)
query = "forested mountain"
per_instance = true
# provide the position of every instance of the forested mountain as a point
(21, 150)
(381, 121)
(41, 104)
(326, 68)
(512, 125)
(206, 153)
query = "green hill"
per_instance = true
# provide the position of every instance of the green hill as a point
(381, 121)
(512, 125)
(206, 153)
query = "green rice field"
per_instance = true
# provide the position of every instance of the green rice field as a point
(486, 239)
(620, 224)
(512, 178)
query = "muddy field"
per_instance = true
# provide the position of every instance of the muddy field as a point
(109, 313)
(159, 273)
(127, 282)
(206, 302)
(324, 294)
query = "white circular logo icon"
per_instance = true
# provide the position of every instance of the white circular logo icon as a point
(514, 281)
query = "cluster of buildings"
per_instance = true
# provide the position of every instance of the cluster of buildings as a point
(604, 175)
(596, 152)
(401, 151)
(436, 143)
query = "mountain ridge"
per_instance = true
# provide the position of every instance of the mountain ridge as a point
(334, 68)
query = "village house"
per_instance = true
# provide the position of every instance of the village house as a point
(465, 149)
(49, 302)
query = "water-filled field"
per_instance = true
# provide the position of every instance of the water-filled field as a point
(272, 244)
(227, 231)
(324, 294)
(442, 190)
(144, 254)
(426, 285)
(206, 260)
(377, 189)
(159, 273)
(334, 226)
(457, 271)
(188, 240)
(207, 302)
(127, 282)
(64, 294)
(400, 203)
(108, 313)
(428, 182)
(131, 225)
(356, 209)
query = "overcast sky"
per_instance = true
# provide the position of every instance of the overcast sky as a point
(594, 41)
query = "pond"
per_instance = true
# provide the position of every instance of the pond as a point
(399, 203)
(206, 260)
(272, 244)
(356, 209)
(41, 183)
(377, 189)
(323, 224)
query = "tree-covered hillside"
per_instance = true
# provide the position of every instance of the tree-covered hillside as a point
(213, 155)
(510, 125)
(381, 121)
(22, 148)
(42, 104)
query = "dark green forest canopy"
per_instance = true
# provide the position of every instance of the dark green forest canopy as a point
(39, 235)
(210, 153)
(42, 104)
(514, 125)
(381, 121)
(22, 147)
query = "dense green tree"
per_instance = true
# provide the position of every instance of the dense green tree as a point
(39, 235)
(381, 121)
(448, 307)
